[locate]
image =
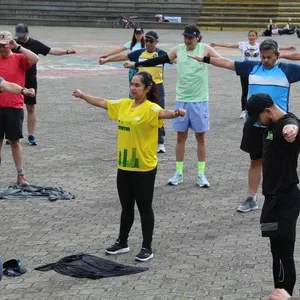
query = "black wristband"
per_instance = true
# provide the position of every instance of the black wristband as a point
(206, 59)
(22, 91)
(136, 64)
(18, 48)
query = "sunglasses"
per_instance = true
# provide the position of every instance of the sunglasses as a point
(149, 41)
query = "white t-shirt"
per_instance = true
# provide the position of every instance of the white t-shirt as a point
(249, 52)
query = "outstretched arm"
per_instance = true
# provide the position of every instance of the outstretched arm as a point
(164, 59)
(225, 45)
(291, 56)
(216, 61)
(56, 51)
(96, 101)
(209, 51)
(116, 57)
(291, 48)
(171, 114)
(113, 52)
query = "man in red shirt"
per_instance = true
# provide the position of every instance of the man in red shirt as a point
(13, 68)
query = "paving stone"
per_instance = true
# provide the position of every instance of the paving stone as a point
(203, 249)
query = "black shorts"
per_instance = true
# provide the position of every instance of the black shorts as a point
(252, 141)
(280, 213)
(30, 83)
(11, 123)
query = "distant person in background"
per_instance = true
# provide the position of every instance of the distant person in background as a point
(23, 39)
(137, 42)
(250, 52)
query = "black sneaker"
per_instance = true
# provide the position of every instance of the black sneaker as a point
(144, 255)
(117, 248)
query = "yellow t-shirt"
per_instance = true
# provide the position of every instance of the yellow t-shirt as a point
(157, 72)
(137, 133)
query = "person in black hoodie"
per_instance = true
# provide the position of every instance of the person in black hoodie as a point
(282, 196)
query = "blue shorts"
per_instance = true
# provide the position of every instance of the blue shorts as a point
(196, 117)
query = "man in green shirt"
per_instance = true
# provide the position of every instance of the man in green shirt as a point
(191, 95)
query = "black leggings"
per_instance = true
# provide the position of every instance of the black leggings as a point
(284, 272)
(136, 186)
(244, 84)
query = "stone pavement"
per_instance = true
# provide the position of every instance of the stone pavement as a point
(203, 249)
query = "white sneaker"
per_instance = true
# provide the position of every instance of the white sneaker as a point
(243, 114)
(175, 179)
(161, 148)
(202, 181)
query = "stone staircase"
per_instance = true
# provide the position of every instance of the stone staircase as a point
(247, 14)
(97, 13)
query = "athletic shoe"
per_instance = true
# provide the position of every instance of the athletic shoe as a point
(249, 204)
(202, 181)
(161, 148)
(144, 255)
(175, 179)
(243, 115)
(117, 248)
(22, 181)
(31, 141)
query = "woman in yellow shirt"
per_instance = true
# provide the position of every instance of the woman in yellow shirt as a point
(138, 121)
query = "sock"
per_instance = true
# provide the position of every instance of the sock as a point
(253, 195)
(20, 172)
(201, 167)
(179, 167)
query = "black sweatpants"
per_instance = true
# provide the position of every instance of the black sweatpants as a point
(244, 84)
(284, 272)
(136, 187)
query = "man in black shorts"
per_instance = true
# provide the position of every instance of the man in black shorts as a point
(36, 47)
(281, 144)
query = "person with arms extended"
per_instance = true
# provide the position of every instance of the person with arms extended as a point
(250, 51)
(137, 42)
(13, 67)
(267, 76)
(281, 207)
(157, 73)
(36, 47)
(190, 97)
(138, 121)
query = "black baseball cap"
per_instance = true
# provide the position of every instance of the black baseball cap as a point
(138, 30)
(256, 104)
(21, 30)
(152, 35)
(191, 31)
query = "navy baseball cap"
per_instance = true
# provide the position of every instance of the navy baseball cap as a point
(21, 30)
(256, 104)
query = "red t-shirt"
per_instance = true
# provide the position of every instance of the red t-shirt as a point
(13, 68)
